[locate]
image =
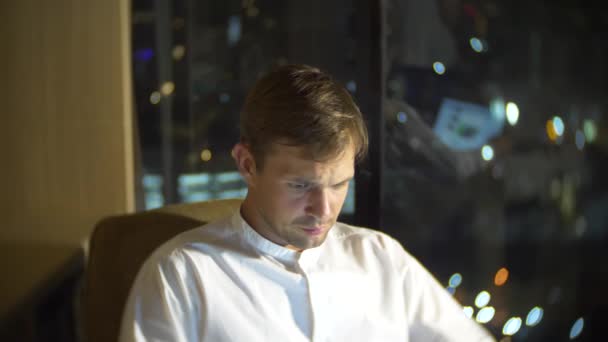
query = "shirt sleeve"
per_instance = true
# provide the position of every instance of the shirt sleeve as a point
(164, 303)
(432, 313)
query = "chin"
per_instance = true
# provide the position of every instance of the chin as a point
(310, 243)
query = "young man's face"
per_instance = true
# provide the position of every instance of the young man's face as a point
(294, 201)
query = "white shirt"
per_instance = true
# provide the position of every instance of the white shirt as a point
(225, 282)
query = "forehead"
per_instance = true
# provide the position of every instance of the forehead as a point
(297, 161)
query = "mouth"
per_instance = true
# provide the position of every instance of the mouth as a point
(313, 231)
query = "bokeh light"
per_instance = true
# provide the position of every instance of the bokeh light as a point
(501, 277)
(167, 88)
(485, 315)
(144, 55)
(512, 113)
(155, 97)
(439, 68)
(498, 109)
(534, 316)
(482, 299)
(580, 139)
(224, 97)
(577, 328)
(402, 117)
(555, 128)
(206, 155)
(487, 152)
(468, 311)
(455, 280)
(512, 326)
(351, 86)
(558, 125)
(178, 52)
(551, 131)
(234, 30)
(590, 130)
(476, 44)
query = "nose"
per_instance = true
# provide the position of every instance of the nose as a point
(319, 204)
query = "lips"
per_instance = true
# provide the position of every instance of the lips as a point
(313, 231)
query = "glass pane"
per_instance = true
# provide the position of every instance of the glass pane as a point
(194, 62)
(494, 158)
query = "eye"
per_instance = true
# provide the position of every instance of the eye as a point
(299, 186)
(341, 185)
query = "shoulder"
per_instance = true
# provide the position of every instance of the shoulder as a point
(370, 242)
(349, 234)
(202, 241)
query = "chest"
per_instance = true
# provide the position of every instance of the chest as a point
(257, 300)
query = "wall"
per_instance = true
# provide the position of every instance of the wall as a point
(66, 128)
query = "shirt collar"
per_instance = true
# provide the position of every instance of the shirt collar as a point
(268, 247)
(260, 243)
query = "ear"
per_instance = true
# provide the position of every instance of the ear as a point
(245, 162)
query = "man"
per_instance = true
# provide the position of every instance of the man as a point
(282, 268)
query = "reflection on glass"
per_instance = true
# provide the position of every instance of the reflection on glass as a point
(207, 186)
(577, 328)
(239, 193)
(226, 177)
(512, 326)
(465, 125)
(349, 203)
(153, 193)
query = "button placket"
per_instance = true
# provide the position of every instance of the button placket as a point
(304, 264)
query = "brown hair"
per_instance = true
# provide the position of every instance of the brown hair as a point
(301, 106)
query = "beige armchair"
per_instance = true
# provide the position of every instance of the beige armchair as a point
(118, 247)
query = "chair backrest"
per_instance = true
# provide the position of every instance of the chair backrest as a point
(118, 247)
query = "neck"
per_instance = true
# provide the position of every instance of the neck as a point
(253, 217)
(248, 213)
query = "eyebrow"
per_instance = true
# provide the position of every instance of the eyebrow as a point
(306, 180)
